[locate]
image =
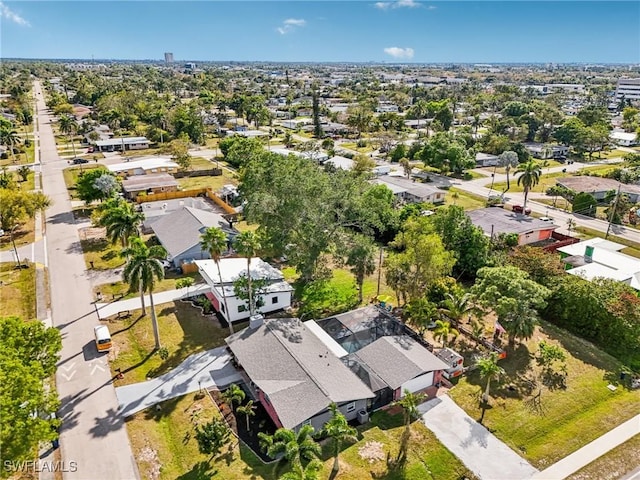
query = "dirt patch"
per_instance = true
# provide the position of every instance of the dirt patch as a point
(372, 452)
(91, 233)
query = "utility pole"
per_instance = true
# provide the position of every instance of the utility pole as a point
(13, 241)
(613, 211)
(379, 271)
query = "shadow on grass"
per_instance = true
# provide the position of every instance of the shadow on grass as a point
(200, 471)
(161, 410)
(323, 298)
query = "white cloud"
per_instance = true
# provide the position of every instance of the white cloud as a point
(397, 4)
(6, 12)
(397, 52)
(291, 24)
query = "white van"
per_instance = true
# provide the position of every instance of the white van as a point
(103, 338)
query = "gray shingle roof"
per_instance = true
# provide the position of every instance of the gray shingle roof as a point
(398, 359)
(137, 183)
(498, 220)
(294, 369)
(179, 231)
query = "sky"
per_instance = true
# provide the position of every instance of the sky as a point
(399, 31)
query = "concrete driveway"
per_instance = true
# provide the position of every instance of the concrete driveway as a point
(202, 370)
(482, 453)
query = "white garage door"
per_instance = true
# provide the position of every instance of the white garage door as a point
(418, 383)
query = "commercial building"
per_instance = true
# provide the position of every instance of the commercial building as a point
(628, 88)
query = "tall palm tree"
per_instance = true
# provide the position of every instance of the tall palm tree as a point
(489, 370)
(9, 137)
(340, 431)
(530, 177)
(508, 159)
(443, 331)
(409, 403)
(361, 259)
(456, 306)
(307, 472)
(214, 241)
(142, 270)
(69, 126)
(295, 447)
(248, 245)
(248, 410)
(121, 221)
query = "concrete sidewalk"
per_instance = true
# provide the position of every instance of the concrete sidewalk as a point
(107, 309)
(590, 452)
(481, 452)
(202, 370)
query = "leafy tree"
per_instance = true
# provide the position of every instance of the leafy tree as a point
(359, 118)
(185, 282)
(529, 178)
(361, 259)
(186, 119)
(619, 205)
(422, 257)
(295, 447)
(317, 128)
(542, 267)
(456, 306)
(212, 436)
(406, 166)
(214, 241)
(584, 204)
(29, 353)
(593, 115)
(9, 137)
(489, 370)
(24, 171)
(460, 236)
(447, 153)
(338, 429)
(572, 132)
(107, 185)
(142, 270)
(362, 164)
(179, 150)
(508, 159)
(248, 245)
(552, 359)
(420, 313)
(239, 150)
(7, 179)
(516, 109)
(248, 410)
(86, 187)
(16, 206)
(443, 330)
(514, 297)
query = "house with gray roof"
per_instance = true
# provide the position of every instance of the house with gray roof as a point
(496, 221)
(149, 184)
(293, 374)
(412, 191)
(179, 233)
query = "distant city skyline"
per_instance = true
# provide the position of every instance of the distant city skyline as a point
(399, 31)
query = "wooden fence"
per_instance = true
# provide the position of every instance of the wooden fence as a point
(156, 197)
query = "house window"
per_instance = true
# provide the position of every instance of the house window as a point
(242, 308)
(351, 407)
(222, 307)
(306, 422)
(274, 300)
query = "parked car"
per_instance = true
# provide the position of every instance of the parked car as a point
(78, 161)
(521, 209)
(166, 264)
(546, 219)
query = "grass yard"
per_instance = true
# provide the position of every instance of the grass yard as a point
(468, 201)
(183, 331)
(120, 290)
(612, 465)
(24, 235)
(600, 169)
(354, 146)
(17, 291)
(165, 448)
(564, 420)
(201, 163)
(547, 180)
(102, 253)
(215, 183)
(71, 175)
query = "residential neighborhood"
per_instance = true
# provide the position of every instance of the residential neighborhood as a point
(310, 269)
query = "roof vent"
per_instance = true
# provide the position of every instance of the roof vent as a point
(588, 254)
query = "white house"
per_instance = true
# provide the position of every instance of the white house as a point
(624, 139)
(276, 295)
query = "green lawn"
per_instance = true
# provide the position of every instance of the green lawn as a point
(564, 420)
(183, 331)
(120, 290)
(468, 201)
(164, 447)
(24, 235)
(215, 183)
(102, 253)
(17, 291)
(546, 180)
(612, 465)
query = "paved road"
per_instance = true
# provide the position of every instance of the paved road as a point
(587, 454)
(482, 453)
(202, 370)
(92, 434)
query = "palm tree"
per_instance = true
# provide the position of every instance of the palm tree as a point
(121, 221)
(295, 447)
(443, 330)
(489, 369)
(9, 137)
(233, 394)
(248, 410)
(507, 160)
(530, 177)
(214, 241)
(409, 403)
(361, 259)
(456, 306)
(340, 431)
(247, 244)
(420, 312)
(69, 126)
(142, 270)
(308, 472)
